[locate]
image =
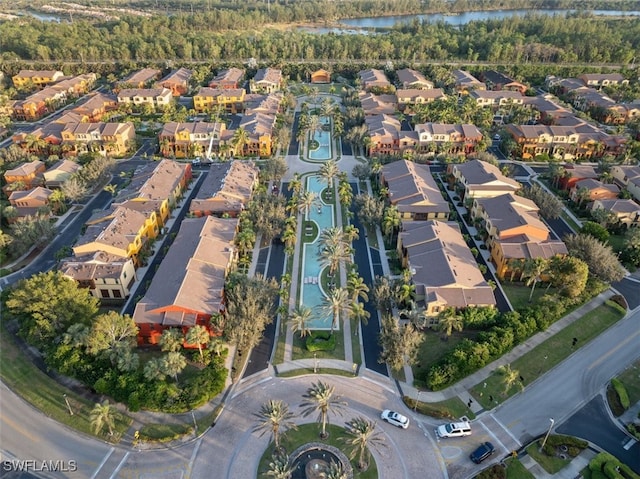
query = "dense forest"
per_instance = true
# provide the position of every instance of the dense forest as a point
(231, 36)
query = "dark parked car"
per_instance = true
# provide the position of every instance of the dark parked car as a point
(483, 451)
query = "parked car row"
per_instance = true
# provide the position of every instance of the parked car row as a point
(449, 430)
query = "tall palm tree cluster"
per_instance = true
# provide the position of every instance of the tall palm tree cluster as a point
(275, 418)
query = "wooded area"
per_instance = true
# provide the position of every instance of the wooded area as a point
(230, 34)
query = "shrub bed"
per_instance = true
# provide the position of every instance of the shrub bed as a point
(608, 465)
(320, 341)
(621, 391)
(500, 335)
(556, 441)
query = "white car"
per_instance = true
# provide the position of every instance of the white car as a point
(196, 161)
(395, 418)
(454, 429)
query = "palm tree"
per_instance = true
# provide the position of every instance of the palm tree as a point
(321, 398)
(198, 335)
(357, 287)
(273, 416)
(449, 319)
(335, 471)
(103, 415)
(533, 268)
(333, 304)
(153, 370)
(299, 319)
(239, 140)
(173, 363)
(362, 434)
(295, 184)
(314, 125)
(357, 312)
(171, 339)
(510, 378)
(329, 171)
(391, 221)
(305, 201)
(57, 200)
(280, 468)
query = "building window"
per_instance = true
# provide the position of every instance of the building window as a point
(116, 293)
(104, 293)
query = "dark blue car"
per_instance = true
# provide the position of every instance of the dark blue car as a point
(483, 451)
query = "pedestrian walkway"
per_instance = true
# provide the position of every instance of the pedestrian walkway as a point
(570, 471)
(462, 387)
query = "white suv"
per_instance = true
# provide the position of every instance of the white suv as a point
(454, 429)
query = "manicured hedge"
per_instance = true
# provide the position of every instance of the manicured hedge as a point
(621, 391)
(320, 341)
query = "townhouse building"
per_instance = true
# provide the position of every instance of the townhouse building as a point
(629, 178)
(59, 173)
(409, 79)
(154, 97)
(514, 233)
(27, 175)
(412, 189)
(30, 202)
(188, 287)
(267, 80)
(226, 190)
(139, 79)
(177, 81)
(464, 82)
(625, 212)
(36, 78)
(259, 129)
(229, 100)
(188, 140)
(497, 98)
(448, 138)
(592, 190)
(230, 78)
(372, 78)
(443, 268)
(407, 99)
(479, 179)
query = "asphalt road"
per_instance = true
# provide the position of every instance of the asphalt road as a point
(574, 382)
(630, 289)
(368, 262)
(593, 423)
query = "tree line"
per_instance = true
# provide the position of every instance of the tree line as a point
(534, 38)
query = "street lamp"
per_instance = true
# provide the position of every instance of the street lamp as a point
(544, 441)
(415, 404)
(68, 405)
(315, 363)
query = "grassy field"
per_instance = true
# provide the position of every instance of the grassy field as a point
(433, 348)
(518, 294)
(164, 432)
(46, 395)
(547, 354)
(515, 470)
(311, 433)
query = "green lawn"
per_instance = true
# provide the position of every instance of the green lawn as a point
(548, 463)
(518, 293)
(630, 377)
(311, 433)
(570, 221)
(433, 348)
(164, 432)
(46, 395)
(616, 242)
(548, 354)
(515, 470)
